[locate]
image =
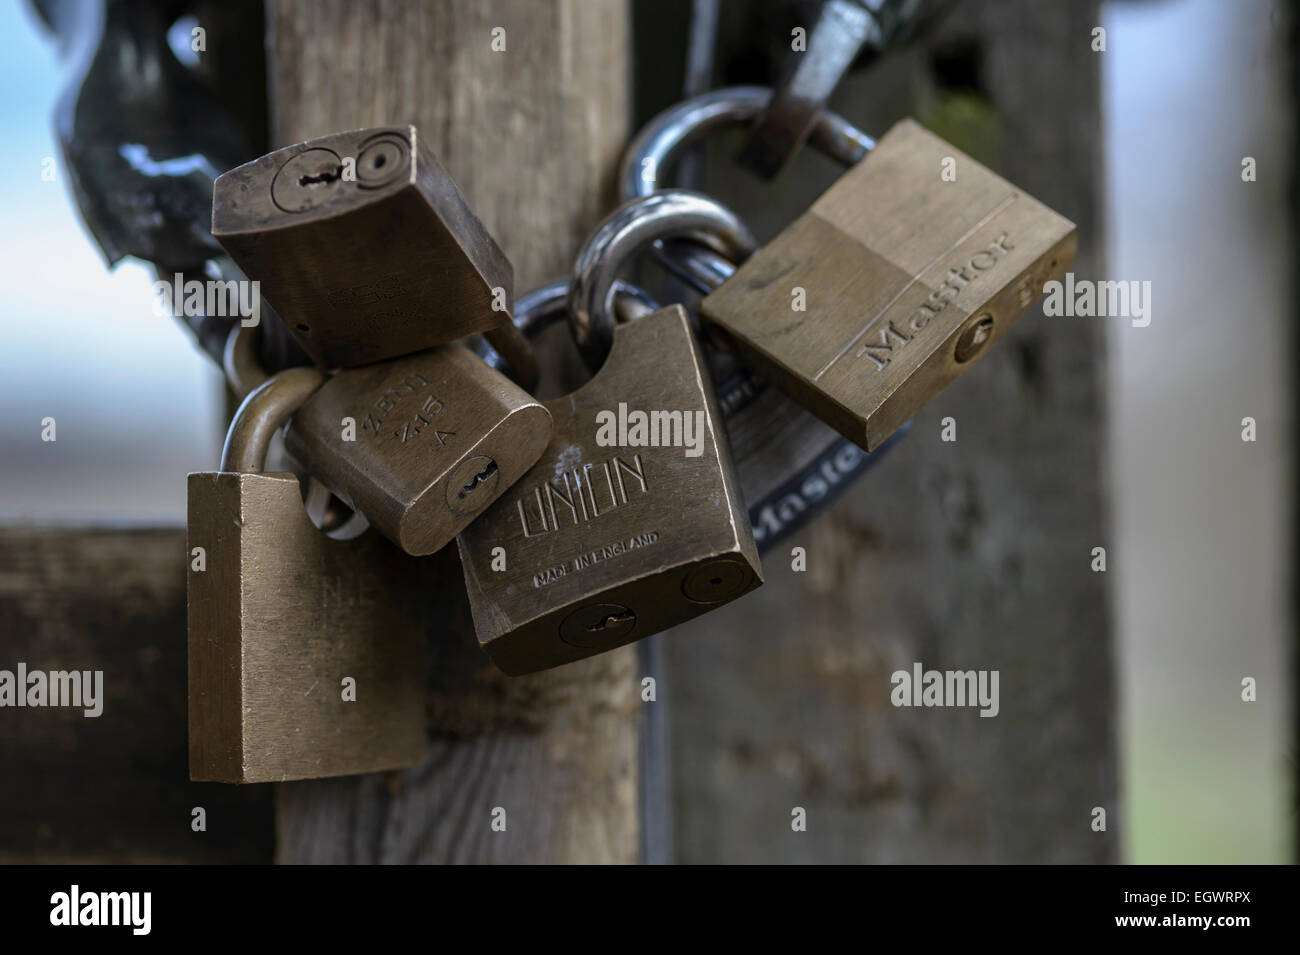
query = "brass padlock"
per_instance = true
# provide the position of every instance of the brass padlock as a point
(422, 444)
(363, 245)
(608, 539)
(910, 266)
(306, 654)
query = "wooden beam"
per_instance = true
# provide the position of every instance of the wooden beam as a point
(112, 788)
(532, 135)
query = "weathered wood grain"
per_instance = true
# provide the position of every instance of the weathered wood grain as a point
(531, 135)
(965, 555)
(114, 788)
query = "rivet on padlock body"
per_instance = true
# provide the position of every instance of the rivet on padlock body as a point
(361, 269)
(281, 617)
(437, 437)
(607, 545)
(908, 278)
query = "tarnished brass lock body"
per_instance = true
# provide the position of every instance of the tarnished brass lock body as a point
(306, 654)
(910, 266)
(420, 445)
(602, 543)
(363, 245)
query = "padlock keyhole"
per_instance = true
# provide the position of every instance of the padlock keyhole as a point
(321, 179)
(479, 478)
(613, 620)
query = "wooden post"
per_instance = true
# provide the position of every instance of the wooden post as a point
(525, 103)
(966, 555)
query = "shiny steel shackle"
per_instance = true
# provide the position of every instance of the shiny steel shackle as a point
(548, 304)
(633, 226)
(663, 139)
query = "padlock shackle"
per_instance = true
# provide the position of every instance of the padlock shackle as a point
(547, 304)
(262, 413)
(664, 138)
(239, 360)
(698, 266)
(542, 307)
(633, 226)
(509, 342)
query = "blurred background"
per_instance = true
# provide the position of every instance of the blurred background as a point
(1199, 524)
(1204, 521)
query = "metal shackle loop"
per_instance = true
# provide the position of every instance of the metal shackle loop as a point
(542, 307)
(633, 226)
(662, 140)
(508, 342)
(239, 360)
(260, 415)
(244, 375)
(548, 304)
(698, 266)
